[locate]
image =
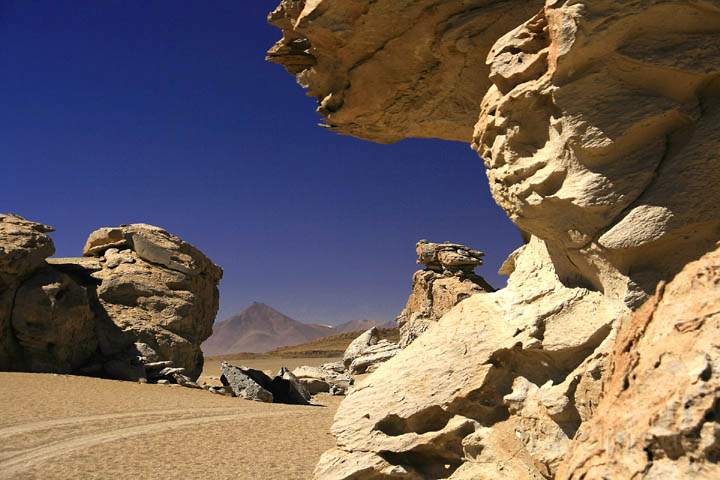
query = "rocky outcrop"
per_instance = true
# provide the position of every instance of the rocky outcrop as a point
(391, 69)
(447, 279)
(599, 136)
(660, 412)
(140, 296)
(527, 358)
(598, 130)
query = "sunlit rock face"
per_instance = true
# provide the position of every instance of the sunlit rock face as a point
(392, 69)
(597, 122)
(600, 137)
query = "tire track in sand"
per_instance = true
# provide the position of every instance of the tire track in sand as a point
(29, 458)
(25, 428)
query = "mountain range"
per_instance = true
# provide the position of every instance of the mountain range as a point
(260, 328)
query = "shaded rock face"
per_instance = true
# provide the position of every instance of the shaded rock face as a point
(448, 278)
(142, 295)
(599, 135)
(599, 132)
(660, 413)
(24, 245)
(391, 69)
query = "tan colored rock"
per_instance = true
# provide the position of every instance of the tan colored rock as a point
(392, 69)
(599, 135)
(465, 365)
(53, 322)
(140, 295)
(360, 344)
(448, 278)
(24, 245)
(160, 291)
(371, 357)
(659, 416)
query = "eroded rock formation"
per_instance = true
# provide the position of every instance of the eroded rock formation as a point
(448, 278)
(659, 414)
(140, 296)
(598, 127)
(392, 69)
(599, 135)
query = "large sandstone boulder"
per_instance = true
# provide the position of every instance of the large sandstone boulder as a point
(447, 279)
(141, 295)
(156, 289)
(391, 69)
(660, 412)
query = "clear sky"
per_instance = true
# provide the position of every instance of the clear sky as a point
(165, 112)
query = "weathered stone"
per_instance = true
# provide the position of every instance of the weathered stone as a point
(107, 314)
(24, 245)
(438, 288)
(370, 358)
(53, 323)
(246, 383)
(466, 363)
(599, 134)
(603, 143)
(392, 69)
(166, 299)
(324, 378)
(286, 388)
(359, 345)
(660, 412)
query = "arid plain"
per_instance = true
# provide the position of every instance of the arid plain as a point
(63, 426)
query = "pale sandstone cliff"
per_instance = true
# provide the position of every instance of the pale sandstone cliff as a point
(597, 123)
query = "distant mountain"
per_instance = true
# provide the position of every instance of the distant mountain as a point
(356, 325)
(260, 328)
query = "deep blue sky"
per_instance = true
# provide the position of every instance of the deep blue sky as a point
(165, 112)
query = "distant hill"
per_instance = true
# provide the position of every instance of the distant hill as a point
(332, 346)
(356, 325)
(261, 328)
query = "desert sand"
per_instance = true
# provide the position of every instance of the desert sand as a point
(62, 426)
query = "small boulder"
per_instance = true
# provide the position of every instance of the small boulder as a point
(246, 383)
(286, 388)
(371, 358)
(359, 345)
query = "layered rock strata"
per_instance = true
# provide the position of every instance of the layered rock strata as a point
(448, 278)
(598, 128)
(141, 296)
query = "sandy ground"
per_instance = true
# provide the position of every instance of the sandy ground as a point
(65, 427)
